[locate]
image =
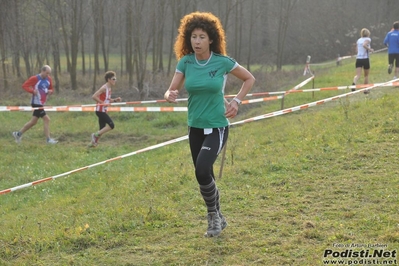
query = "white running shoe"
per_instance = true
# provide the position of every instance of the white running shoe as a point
(52, 141)
(94, 140)
(17, 136)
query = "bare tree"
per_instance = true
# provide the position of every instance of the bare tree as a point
(82, 42)
(238, 30)
(70, 16)
(15, 37)
(158, 25)
(286, 7)
(3, 47)
(121, 37)
(129, 41)
(251, 30)
(141, 39)
(53, 22)
(96, 7)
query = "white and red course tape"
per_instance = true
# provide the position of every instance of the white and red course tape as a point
(93, 108)
(305, 106)
(113, 108)
(5, 191)
(256, 118)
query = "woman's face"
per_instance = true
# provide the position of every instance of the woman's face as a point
(200, 42)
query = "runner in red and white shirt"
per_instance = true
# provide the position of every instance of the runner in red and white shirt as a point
(40, 86)
(103, 99)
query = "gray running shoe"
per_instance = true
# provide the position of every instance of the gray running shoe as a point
(17, 136)
(223, 222)
(214, 227)
(389, 69)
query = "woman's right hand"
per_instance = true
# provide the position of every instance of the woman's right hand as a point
(171, 95)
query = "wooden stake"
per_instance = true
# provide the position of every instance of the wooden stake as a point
(223, 159)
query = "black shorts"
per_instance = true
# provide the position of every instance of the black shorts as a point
(39, 113)
(103, 119)
(363, 63)
(393, 57)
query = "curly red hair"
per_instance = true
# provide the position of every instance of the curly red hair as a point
(208, 23)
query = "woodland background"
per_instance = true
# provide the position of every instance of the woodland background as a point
(136, 37)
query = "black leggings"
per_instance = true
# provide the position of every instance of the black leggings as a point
(103, 119)
(204, 151)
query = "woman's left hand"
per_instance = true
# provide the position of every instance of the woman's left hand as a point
(231, 109)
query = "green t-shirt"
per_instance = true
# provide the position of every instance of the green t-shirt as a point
(205, 81)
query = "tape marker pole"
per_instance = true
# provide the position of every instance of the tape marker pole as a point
(223, 159)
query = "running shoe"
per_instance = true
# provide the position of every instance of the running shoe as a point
(17, 136)
(389, 68)
(353, 89)
(353, 84)
(52, 141)
(94, 140)
(214, 227)
(223, 222)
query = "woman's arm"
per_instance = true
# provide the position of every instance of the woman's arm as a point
(174, 87)
(366, 45)
(248, 81)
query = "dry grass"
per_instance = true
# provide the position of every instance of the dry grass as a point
(292, 187)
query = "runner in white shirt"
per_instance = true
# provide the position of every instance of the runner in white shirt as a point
(362, 58)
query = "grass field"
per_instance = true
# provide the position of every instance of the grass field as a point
(293, 186)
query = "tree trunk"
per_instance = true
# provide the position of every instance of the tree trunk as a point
(62, 17)
(76, 28)
(17, 40)
(83, 55)
(3, 49)
(96, 35)
(129, 42)
(103, 45)
(251, 27)
(286, 7)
